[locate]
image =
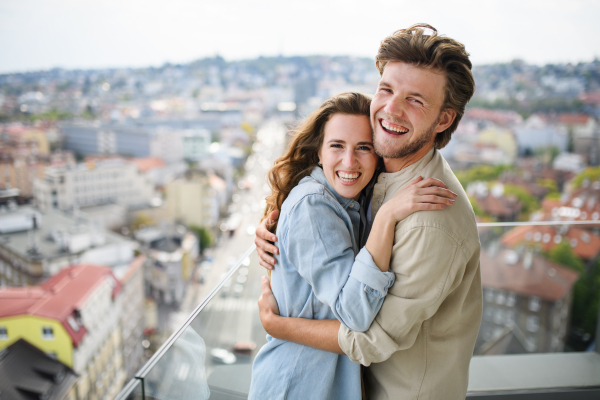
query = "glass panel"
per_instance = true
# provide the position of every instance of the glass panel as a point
(212, 355)
(132, 391)
(540, 287)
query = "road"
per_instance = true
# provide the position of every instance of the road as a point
(233, 317)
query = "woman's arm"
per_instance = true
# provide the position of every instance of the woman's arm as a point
(418, 195)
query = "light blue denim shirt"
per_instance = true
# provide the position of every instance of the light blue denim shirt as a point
(320, 274)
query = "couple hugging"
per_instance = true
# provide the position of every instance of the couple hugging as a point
(377, 257)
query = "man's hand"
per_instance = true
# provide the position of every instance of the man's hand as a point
(264, 241)
(267, 305)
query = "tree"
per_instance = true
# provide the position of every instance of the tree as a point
(586, 292)
(204, 237)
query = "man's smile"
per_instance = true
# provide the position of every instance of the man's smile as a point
(392, 128)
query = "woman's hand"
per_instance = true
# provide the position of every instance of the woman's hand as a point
(419, 195)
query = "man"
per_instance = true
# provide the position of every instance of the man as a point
(421, 342)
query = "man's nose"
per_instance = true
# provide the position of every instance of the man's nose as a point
(394, 106)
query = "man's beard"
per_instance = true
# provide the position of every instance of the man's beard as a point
(386, 150)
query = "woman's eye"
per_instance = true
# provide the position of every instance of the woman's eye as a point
(364, 148)
(337, 146)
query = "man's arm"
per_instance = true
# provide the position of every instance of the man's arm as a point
(427, 277)
(319, 334)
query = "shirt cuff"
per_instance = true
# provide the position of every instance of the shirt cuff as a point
(365, 271)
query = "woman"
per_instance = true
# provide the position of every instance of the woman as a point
(321, 273)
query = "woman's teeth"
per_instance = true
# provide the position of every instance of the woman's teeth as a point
(389, 127)
(346, 177)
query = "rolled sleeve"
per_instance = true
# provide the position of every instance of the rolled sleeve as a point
(366, 272)
(427, 277)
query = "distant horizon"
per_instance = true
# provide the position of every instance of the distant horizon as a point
(98, 68)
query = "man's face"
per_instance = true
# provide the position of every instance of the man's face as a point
(406, 111)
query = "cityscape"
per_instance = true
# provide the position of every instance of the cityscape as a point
(127, 195)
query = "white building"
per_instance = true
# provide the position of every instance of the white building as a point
(196, 144)
(93, 183)
(35, 245)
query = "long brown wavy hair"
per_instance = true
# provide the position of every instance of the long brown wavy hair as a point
(303, 154)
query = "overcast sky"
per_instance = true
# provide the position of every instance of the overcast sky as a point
(42, 34)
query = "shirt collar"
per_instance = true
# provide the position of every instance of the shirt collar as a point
(407, 174)
(318, 175)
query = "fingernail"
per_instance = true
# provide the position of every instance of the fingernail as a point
(455, 195)
(264, 278)
(274, 238)
(272, 261)
(452, 201)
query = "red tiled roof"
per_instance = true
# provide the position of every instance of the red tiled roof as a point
(148, 163)
(584, 243)
(58, 297)
(577, 119)
(543, 279)
(503, 206)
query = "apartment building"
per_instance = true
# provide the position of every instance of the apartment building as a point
(75, 317)
(171, 256)
(110, 181)
(195, 199)
(527, 303)
(35, 245)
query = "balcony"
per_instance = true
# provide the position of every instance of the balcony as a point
(211, 353)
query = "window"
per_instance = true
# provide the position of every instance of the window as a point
(487, 313)
(511, 300)
(499, 316)
(534, 304)
(533, 323)
(531, 344)
(510, 317)
(3, 333)
(47, 333)
(489, 295)
(500, 297)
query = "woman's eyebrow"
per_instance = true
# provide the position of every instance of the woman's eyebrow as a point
(336, 141)
(363, 143)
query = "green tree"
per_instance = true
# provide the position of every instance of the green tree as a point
(530, 202)
(591, 174)
(484, 173)
(586, 292)
(204, 237)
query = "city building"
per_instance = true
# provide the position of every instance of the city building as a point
(194, 199)
(26, 372)
(196, 144)
(494, 201)
(527, 303)
(139, 138)
(171, 257)
(36, 245)
(93, 183)
(73, 316)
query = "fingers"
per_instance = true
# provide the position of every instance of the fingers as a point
(435, 190)
(265, 259)
(265, 246)
(263, 233)
(432, 182)
(416, 180)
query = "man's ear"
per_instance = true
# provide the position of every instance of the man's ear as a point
(446, 119)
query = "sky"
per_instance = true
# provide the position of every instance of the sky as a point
(44, 34)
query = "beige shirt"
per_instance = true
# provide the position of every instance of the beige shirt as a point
(421, 342)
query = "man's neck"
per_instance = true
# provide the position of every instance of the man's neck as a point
(398, 164)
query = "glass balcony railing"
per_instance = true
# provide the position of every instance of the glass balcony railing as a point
(534, 340)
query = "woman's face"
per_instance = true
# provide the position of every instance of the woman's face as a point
(347, 154)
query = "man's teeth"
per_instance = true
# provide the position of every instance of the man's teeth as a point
(348, 177)
(391, 128)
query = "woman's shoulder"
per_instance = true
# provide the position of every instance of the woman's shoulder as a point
(308, 190)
